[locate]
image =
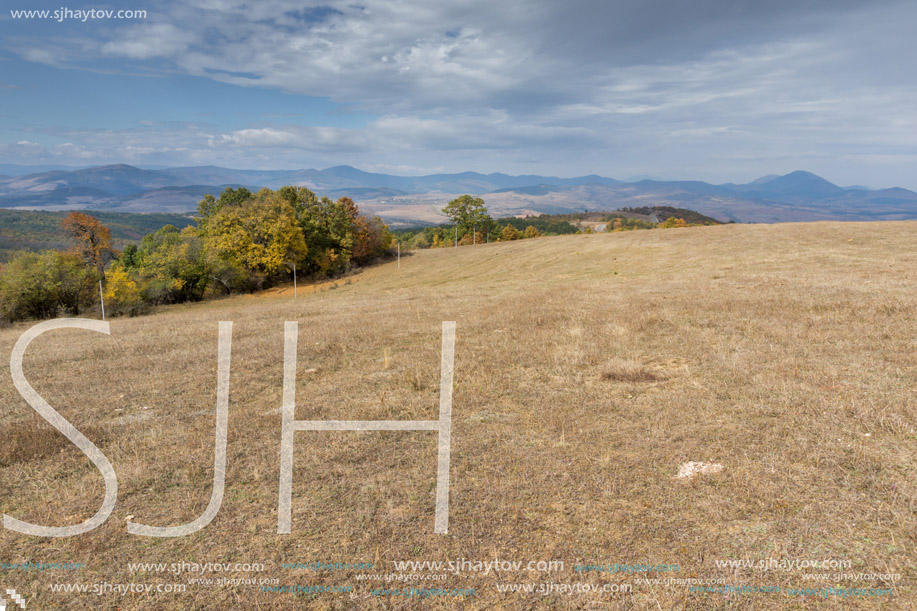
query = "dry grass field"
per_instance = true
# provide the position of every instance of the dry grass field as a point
(587, 370)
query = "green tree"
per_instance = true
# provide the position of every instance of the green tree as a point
(487, 226)
(172, 266)
(328, 228)
(420, 241)
(209, 206)
(129, 258)
(467, 212)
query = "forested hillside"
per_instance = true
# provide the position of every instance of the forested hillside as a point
(239, 242)
(38, 230)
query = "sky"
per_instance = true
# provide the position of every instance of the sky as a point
(715, 90)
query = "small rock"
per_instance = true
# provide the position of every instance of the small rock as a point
(689, 469)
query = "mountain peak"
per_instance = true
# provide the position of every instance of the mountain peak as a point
(801, 177)
(798, 184)
(116, 167)
(345, 170)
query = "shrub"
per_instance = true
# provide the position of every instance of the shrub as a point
(122, 293)
(420, 241)
(470, 238)
(45, 285)
(509, 233)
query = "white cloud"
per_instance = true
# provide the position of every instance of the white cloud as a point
(257, 138)
(70, 152)
(29, 147)
(149, 41)
(625, 87)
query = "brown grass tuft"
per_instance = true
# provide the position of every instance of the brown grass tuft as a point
(626, 370)
(34, 440)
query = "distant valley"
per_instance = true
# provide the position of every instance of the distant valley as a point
(406, 200)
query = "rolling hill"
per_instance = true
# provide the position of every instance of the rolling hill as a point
(797, 196)
(589, 370)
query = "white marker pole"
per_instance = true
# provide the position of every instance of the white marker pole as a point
(102, 299)
(294, 281)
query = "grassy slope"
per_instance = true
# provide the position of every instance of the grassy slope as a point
(784, 352)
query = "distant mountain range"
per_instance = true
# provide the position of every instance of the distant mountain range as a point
(798, 196)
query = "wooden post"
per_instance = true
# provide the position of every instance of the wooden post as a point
(102, 299)
(294, 281)
(399, 255)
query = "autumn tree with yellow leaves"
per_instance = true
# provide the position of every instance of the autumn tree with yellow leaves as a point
(91, 240)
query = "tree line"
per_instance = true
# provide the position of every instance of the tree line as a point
(472, 224)
(239, 242)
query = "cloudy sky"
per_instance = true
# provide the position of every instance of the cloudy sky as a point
(717, 90)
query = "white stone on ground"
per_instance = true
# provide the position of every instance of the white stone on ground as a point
(689, 469)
